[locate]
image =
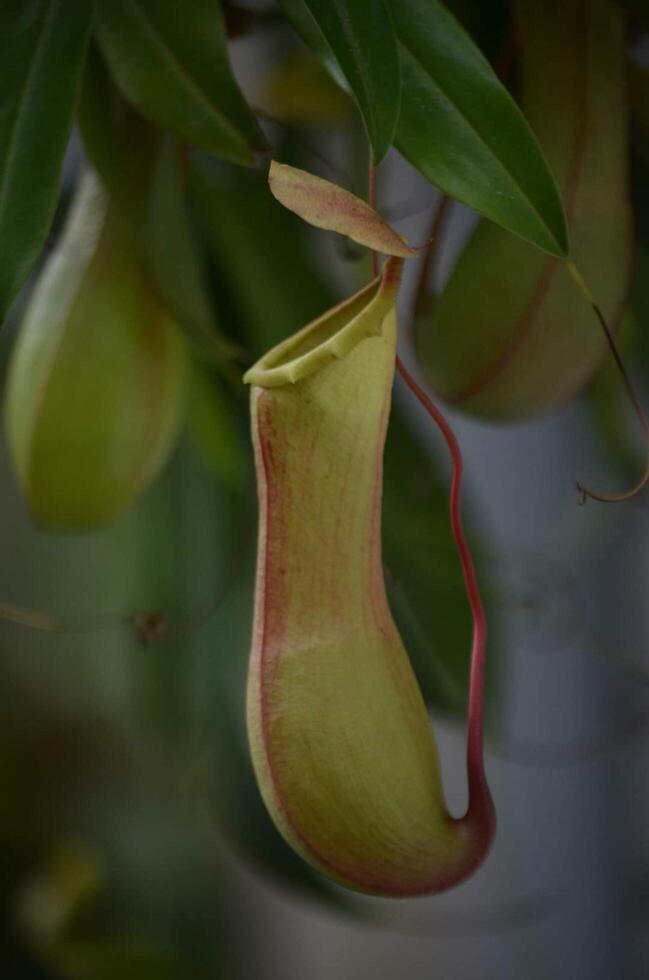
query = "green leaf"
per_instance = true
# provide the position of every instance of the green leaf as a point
(172, 253)
(104, 959)
(214, 432)
(528, 341)
(463, 131)
(360, 36)
(458, 124)
(145, 174)
(487, 22)
(639, 93)
(42, 48)
(171, 62)
(264, 268)
(638, 9)
(640, 301)
(302, 20)
(121, 145)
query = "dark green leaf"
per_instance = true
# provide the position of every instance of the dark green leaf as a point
(214, 432)
(488, 22)
(171, 62)
(122, 147)
(458, 124)
(511, 336)
(639, 298)
(266, 272)
(42, 48)
(144, 173)
(638, 9)
(107, 959)
(173, 256)
(639, 91)
(360, 36)
(463, 131)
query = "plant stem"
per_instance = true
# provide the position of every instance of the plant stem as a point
(440, 211)
(480, 802)
(584, 491)
(480, 809)
(371, 200)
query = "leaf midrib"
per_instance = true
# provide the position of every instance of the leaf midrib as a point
(193, 87)
(343, 18)
(364, 78)
(16, 129)
(470, 126)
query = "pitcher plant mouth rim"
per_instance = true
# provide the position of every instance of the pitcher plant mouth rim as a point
(330, 336)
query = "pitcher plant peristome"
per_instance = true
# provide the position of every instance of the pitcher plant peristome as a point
(339, 732)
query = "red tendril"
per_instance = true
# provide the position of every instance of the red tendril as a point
(480, 811)
(480, 802)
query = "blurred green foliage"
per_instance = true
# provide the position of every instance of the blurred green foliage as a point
(129, 796)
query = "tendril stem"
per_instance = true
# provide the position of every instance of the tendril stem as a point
(584, 491)
(480, 802)
(481, 808)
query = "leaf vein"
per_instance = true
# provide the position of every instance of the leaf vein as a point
(18, 124)
(481, 139)
(189, 83)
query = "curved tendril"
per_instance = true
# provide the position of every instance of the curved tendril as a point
(479, 795)
(584, 491)
(480, 801)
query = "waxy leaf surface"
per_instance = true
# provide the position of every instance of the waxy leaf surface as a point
(458, 124)
(511, 335)
(214, 430)
(144, 173)
(42, 49)
(333, 208)
(460, 127)
(268, 284)
(171, 61)
(360, 36)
